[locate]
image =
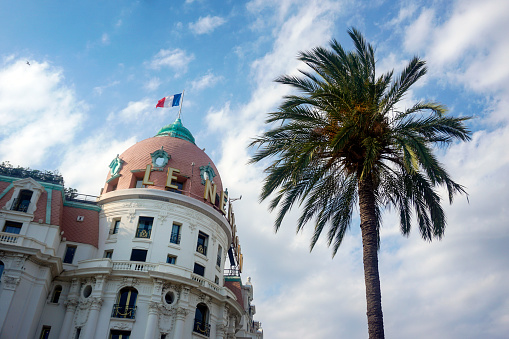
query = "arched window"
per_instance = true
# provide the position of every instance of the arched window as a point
(126, 303)
(56, 294)
(201, 320)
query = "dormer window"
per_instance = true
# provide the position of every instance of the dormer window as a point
(25, 196)
(22, 202)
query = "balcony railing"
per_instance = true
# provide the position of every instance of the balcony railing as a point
(201, 327)
(143, 233)
(202, 249)
(123, 311)
(20, 206)
(175, 238)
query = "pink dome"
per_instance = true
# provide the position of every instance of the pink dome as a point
(183, 155)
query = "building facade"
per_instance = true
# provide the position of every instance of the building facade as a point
(154, 256)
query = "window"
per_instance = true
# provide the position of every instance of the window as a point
(201, 246)
(115, 334)
(144, 227)
(201, 320)
(1, 270)
(78, 333)
(126, 304)
(138, 255)
(219, 251)
(216, 280)
(199, 269)
(175, 234)
(56, 294)
(45, 332)
(23, 201)
(171, 259)
(108, 254)
(180, 186)
(69, 254)
(116, 225)
(12, 227)
(163, 336)
(139, 183)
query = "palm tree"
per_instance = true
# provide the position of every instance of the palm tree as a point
(344, 140)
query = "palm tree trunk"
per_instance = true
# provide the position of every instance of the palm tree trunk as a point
(370, 258)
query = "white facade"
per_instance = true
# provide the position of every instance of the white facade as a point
(117, 268)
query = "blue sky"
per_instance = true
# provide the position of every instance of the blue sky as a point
(98, 69)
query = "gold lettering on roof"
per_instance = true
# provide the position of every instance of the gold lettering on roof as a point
(171, 177)
(210, 192)
(146, 177)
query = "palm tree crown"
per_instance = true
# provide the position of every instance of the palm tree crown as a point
(343, 140)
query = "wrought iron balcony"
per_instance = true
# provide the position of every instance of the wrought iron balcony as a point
(202, 249)
(201, 327)
(175, 238)
(123, 311)
(20, 205)
(143, 233)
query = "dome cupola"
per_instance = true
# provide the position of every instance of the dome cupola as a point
(176, 130)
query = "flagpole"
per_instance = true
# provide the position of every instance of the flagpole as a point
(181, 101)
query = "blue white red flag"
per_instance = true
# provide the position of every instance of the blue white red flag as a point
(173, 100)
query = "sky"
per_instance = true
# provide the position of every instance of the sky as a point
(98, 68)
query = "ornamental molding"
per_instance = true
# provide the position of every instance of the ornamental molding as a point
(131, 215)
(207, 172)
(121, 325)
(71, 304)
(160, 158)
(10, 282)
(181, 312)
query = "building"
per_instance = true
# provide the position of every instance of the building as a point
(154, 256)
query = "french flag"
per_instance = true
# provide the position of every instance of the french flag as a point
(173, 100)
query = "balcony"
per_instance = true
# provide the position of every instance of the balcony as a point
(20, 205)
(123, 311)
(201, 328)
(21, 240)
(175, 238)
(143, 233)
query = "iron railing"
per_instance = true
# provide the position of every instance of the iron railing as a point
(143, 233)
(20, 205)
(201, 327)
(175, 238)
(202, 249)
(123, 311)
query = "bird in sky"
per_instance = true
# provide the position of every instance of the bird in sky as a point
(28, 63)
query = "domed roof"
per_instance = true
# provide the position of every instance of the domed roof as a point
(176, 130)
(172, 148)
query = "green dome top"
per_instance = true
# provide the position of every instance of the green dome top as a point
(176, 130)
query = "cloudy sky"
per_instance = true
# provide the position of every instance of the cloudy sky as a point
(98, 68)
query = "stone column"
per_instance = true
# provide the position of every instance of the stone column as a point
(221, 331)
(93, 315)
(70, 309)
(180, 320)
(152, 326)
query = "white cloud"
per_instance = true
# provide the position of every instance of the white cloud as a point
(100, 89)
(135, 111)
(206, 25)
(153, 84)
(37, 111)
(101, 147)
(175, 59)
(208, 80)
(105, 39)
